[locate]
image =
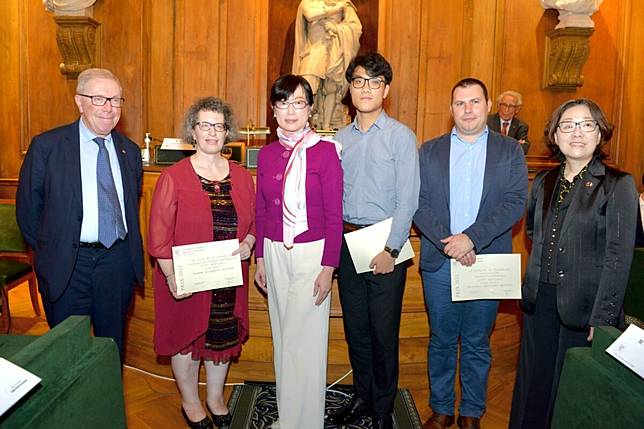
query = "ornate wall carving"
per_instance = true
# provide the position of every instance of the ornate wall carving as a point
(567, 50)
(76, 38)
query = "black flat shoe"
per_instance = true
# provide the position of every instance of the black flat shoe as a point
(349, 414)
(206, 423)
(220, 419)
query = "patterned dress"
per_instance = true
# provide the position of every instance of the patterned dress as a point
(221, 341)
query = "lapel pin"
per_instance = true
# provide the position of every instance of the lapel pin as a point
(122, 150)
(589, 184)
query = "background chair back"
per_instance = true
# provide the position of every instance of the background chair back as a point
(10, 237)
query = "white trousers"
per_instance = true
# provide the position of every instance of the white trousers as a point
(300, 332)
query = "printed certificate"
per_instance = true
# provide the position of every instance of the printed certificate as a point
(367, 242)
(206, 266)
(15, 382)
(496, 276)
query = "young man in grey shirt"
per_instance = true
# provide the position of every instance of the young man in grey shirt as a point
(381, 180)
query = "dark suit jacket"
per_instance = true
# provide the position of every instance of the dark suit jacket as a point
(518, 129)
(595, 245)
(505, 190)
(49, 204)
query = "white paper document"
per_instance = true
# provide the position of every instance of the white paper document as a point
(206, 266)
(629, 349)
(15, 383)
(367, 242)
(494, 276)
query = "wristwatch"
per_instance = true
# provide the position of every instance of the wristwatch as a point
(393, 252)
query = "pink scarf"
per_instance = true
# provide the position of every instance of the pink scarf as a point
(294, 216)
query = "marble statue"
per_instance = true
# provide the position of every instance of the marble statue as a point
(573, 13)
(327, 37)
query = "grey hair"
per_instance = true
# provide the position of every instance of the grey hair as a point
(514, 94)
(87, 75)
(208, 104)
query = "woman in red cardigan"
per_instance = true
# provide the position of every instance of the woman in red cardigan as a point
(202, 198)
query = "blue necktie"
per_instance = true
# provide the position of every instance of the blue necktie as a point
(110, 220)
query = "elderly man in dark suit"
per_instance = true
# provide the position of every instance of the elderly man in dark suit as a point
(473, 188)
(77, 206)
(505, 121)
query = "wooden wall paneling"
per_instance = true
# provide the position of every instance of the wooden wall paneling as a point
(245, 83)
(122, 51)
(200, 52)
(399, 42)
(10, 87)
(440, 65)
(48, 95)
(631, 150)
(159, 60)
(482, 39)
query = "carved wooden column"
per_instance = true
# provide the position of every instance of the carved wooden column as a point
(567, 50)
(76, 38)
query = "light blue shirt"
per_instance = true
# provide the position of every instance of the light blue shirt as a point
(466, 174)
(381, 176)
(88, 156)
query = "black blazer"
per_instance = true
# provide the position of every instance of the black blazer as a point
(49, 204)
(595, 245)
(518, 129)
(503, 201)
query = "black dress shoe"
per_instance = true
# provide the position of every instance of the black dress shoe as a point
(206, 423)
(220, 420)
(349, 414)
(382, 421)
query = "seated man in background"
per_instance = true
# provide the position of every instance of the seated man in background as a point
(505, 121)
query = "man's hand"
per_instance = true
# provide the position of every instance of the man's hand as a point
(469, 259)
(457, 246)
(382, 263)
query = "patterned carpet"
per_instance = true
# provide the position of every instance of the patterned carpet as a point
(253, 407)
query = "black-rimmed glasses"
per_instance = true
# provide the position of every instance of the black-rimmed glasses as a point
(372, 82)
(99, 100)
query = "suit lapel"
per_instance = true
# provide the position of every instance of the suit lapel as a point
(492, 155)
(549, 184)
(121, 154)
(583, 189)
(71, 146)
(443, 160)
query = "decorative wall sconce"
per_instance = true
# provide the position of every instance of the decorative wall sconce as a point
(568, 45)
(76, 38)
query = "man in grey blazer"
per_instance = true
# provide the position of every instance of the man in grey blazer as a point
(505, 121)
(473, 188)
(77, 206)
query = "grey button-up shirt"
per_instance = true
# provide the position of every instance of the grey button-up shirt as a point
(381, 176)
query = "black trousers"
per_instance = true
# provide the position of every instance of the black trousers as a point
(371, 307)
(543, 347)
(100, 287)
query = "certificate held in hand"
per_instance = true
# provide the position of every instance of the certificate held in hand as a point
(206, 266)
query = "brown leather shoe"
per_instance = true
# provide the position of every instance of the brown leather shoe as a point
(438, 421)
(468, 422)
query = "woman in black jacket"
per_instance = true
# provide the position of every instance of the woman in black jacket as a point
(581, 220)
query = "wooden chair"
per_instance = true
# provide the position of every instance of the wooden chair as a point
(16, 262)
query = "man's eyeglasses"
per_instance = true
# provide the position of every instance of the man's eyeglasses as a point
(373, 82)
(99, 100)
(297, 104)
(508, 106)
(207, 126)
(585, 126)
